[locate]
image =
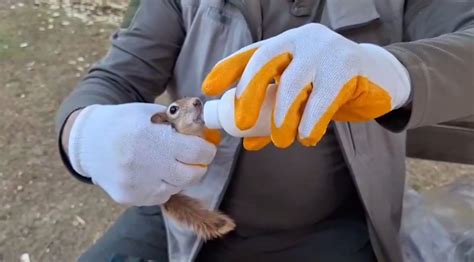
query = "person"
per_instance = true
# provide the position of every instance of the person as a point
(353, 76)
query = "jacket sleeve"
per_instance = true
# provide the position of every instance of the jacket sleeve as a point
(137, 66)
(438, 52)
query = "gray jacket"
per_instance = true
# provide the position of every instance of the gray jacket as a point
(172, 45)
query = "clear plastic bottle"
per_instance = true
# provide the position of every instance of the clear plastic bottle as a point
(219, 114)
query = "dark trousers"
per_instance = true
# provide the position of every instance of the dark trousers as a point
(139, 235)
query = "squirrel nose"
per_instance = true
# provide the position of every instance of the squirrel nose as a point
(197, 103)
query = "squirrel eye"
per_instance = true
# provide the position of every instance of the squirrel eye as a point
(173, 109)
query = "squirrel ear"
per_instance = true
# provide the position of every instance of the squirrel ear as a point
(159, 118)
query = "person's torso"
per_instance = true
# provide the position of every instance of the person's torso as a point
(217, 28)
(214, 32)
(274, 189)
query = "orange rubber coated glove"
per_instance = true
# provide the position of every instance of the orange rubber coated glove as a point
(322, 76)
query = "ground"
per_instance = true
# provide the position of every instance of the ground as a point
(45, 212)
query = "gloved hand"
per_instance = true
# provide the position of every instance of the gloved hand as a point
(322, 76)
(134, 160)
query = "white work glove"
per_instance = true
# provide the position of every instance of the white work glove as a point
(134, 160)
(322, 76)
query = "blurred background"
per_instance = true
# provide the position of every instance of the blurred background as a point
(45, 48)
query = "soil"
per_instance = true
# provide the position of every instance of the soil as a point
(45, 212)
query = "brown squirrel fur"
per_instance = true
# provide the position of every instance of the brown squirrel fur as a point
(185, 115)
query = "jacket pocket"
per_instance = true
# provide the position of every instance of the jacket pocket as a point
(368, 21)
(344, 14)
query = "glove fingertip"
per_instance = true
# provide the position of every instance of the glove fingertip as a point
(283, 142)
(256, 143)
(226, 73)
(211, 86)
(308, 142)
(247, 109)
(213, 136)
(316, 135)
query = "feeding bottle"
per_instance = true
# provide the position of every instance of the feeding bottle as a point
(219, 114)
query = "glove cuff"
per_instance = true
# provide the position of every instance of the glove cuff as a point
(389, 73)
(76, 140)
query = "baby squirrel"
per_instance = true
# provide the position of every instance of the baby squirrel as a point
(185, 115)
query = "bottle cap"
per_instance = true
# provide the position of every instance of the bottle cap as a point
(211, 114)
